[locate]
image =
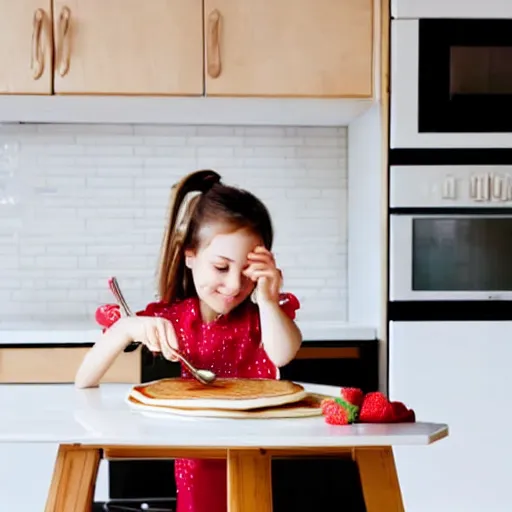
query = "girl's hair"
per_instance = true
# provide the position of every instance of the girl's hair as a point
(212, 203)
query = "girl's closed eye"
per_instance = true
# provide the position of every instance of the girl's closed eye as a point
(222, 268)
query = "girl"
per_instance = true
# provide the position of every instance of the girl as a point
(215, 258)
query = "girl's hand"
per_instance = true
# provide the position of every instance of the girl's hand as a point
(263, 271)
(155, 332)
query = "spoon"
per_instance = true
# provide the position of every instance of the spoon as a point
(203, 376)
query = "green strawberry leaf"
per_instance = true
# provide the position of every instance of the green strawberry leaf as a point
(352, 410)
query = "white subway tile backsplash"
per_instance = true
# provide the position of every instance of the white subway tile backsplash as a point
(80, 203)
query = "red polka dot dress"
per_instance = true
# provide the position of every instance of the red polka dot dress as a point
(231, 347)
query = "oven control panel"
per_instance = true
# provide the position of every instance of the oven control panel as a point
(449, 186)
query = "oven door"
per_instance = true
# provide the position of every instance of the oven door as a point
(450, 257)
(451, 83)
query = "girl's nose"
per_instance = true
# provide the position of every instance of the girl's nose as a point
(232, 285)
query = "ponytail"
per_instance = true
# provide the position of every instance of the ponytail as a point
(174, 279)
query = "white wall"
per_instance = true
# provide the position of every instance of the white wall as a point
(367, 245)
(25, 476)
(80, 203)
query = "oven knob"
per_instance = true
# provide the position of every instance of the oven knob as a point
(479, 196)
(507, 189)
(485, 187)
(497, 187)
(482, 187)
(449, 188)
(473, 187)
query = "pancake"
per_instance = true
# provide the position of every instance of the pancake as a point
(227, 394)
(308, 407)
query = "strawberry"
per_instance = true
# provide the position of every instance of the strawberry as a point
(402, 414)
(334, 413)
(353, 396)
(376, 408)
(338, 409)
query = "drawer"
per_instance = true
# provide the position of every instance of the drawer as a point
(44, 365)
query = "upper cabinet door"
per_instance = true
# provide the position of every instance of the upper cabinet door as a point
(294, 48)
(137, 47)
(26, 47)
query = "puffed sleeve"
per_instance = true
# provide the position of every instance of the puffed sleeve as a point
(289, 303)
(108, 314)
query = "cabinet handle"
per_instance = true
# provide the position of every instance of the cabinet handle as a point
(63, 43)
(37, 54)
(213, 44)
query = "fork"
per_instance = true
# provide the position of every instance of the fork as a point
(203, 376)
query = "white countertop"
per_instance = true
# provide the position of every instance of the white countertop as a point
(43, 334)
(61, 413)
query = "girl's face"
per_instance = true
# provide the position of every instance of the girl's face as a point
(217, 270)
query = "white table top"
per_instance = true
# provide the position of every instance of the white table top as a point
(60, 413)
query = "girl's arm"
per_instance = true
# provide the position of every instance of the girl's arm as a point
(280, 335)
(155, 332)
(101, 356)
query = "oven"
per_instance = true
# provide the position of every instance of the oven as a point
(451, 83)
(450, 240)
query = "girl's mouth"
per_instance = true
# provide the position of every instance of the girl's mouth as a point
(227, 299)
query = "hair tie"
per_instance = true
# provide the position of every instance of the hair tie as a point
(210, 180)
(185, 213)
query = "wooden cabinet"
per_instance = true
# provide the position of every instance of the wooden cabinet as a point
(26, 47)
(264, 48)
(128, 47)
(45, 365)
(299, 48)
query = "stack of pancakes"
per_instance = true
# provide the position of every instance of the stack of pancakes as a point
(226, 398)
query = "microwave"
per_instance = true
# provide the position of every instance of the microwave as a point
(451, 83)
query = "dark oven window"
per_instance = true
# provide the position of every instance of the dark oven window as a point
(465, 76)
(462, 254)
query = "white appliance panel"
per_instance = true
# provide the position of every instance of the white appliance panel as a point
(456, 373)
(476, 186)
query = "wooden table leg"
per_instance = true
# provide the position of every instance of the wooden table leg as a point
(379, 479)
(249, 481)
(74, 479)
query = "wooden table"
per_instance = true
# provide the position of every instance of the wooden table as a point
(96, 423)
